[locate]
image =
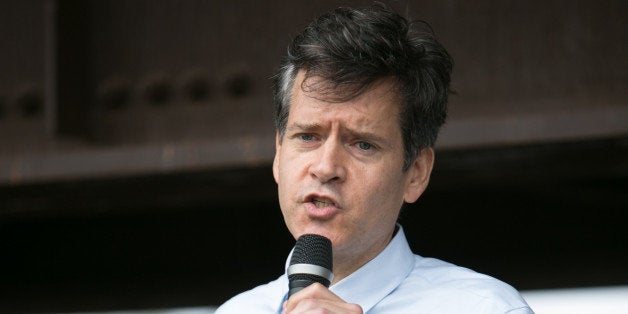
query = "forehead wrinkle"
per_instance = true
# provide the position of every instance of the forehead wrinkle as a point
(363, 123)
(304, 126)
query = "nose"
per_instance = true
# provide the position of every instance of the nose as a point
(328, 165)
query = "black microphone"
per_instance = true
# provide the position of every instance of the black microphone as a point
(311, 262)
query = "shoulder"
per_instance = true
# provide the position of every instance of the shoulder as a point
(261, 299)
(446, 288)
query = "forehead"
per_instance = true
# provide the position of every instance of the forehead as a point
(313, 98)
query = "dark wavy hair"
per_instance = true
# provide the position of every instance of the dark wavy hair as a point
(350, 49)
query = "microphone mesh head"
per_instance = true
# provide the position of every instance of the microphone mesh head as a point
(312, 249)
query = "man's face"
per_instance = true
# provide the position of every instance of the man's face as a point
(339, 169)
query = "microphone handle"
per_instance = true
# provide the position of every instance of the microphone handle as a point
(296, 285)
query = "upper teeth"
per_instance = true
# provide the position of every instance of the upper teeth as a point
(322, 203)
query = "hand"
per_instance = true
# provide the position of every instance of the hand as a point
(318, 299)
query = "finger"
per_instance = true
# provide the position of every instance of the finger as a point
(317, 296)
(313, 291)
(325, 306)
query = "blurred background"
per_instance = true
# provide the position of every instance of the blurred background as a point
(136, 141)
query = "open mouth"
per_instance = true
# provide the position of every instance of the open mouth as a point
(321, 202)
(321, 208)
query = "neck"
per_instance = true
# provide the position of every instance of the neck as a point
(345, 263)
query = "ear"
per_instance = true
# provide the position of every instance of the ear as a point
(419, 175)
(276, 160)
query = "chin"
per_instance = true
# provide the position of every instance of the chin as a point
(315, 229)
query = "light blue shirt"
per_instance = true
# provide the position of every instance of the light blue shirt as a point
(398, 281)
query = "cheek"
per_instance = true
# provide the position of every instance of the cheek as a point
(384, 194)
(287, 184)
(287, 174)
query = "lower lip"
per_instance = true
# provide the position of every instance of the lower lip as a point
(320, 213)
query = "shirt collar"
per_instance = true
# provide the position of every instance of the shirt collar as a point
(386, 272)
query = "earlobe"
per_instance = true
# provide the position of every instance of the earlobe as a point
(419, 175)
(276, 159)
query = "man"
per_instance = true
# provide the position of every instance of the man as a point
(359, 101)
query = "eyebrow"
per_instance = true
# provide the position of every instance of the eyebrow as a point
(304, 127)
(367, 136)
(370, 137)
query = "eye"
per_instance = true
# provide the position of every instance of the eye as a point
(364, 146)
(306, 137)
